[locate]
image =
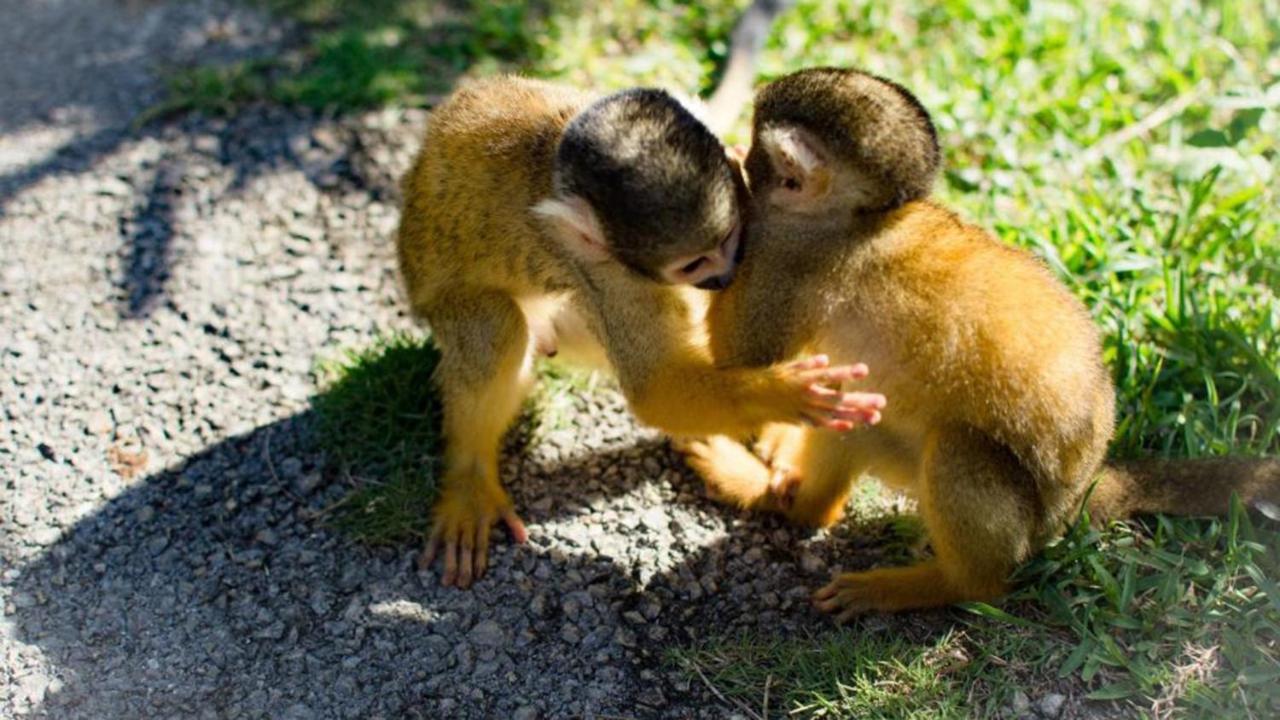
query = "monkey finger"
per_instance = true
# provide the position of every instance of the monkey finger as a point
(841, 373)
(856, 413)
(826, 383)
(827, 396)
(829, 605)
(828, 411)
(824, 602)
(828, 408)
(515, 526)
(826, 592)
(856, 417)
(450, 560)
(428, 555)
(482, 551)
(828, 422)
(814, 362)
(465, 569)
(844, 421)
(823, 402)
(863, 401)
(824, 417)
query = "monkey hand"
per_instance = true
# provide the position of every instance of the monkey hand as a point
(810, 395)
(461, 521)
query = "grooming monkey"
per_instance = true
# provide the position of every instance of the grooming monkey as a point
(525, 198)
(1000, 409)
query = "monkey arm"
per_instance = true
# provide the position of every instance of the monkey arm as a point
(689, 396)
(655, 339)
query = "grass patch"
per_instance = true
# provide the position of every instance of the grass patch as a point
(1161, 618)
(1168, 614)
(850, 674)
(350, 55)
(379, 418)
(556, 396)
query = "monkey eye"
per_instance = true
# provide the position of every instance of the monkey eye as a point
(693, 266)
(791, 184)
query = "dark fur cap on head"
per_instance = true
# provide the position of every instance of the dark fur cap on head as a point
(655, 175)
(872, 124)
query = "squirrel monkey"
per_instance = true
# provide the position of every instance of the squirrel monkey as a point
(525, 198)
(1000, 409)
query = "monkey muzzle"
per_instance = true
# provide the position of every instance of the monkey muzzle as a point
(716, 282)
(722, 281)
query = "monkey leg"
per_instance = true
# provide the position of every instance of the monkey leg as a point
(780, 445)
(577, 345)
(810, 478)
(484, 375)
(813, 494)
(980, 508)
(732, 474)
(824, 467)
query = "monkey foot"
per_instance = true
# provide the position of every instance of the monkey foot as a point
(850, 595)
(894, 589)
(729, 471)
(462, 520)
(732, 474)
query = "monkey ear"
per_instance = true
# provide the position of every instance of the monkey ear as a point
(575, 224)
(800, 161)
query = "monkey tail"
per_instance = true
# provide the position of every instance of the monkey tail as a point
(1201, 486)
(745, 44)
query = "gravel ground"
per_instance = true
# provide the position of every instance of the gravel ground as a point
(164, 296)
(162, 311)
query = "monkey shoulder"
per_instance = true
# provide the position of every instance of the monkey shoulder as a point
(486, 159)
(507, 122)
(974, 307)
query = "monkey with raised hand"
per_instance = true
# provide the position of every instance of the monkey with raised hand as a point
(1000, 408)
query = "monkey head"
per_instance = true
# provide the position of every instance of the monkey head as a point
(831, 139)
(641, 181)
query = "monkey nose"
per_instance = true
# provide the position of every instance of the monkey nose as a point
(716, 282)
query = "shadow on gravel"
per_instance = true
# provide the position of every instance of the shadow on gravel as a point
(215, 589)
(94, 62)
(335, 156)
(89, 67)
(131, 44)
(150, 248)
